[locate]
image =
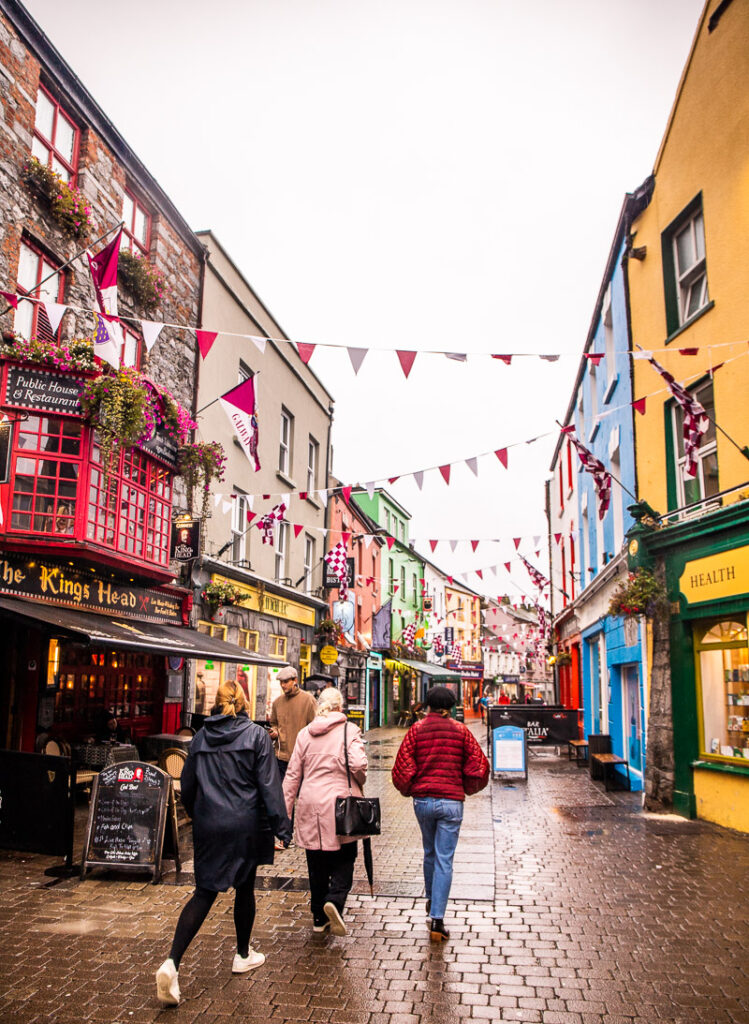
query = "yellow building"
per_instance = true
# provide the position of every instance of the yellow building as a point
(688, 266)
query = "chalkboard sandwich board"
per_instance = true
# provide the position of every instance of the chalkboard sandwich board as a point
(131, 806)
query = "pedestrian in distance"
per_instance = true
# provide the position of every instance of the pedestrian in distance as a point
(439, 763)
(289, 714)
(232, 791)
(319, 762)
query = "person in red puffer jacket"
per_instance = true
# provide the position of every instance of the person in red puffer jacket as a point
(439, 763)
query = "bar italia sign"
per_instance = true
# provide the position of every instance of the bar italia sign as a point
(55, 584)
(716, 577)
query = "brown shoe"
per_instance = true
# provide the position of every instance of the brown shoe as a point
(437, 930)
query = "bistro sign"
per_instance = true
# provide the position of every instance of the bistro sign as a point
(54, 584)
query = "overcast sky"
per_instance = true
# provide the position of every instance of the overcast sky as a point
(440, 174)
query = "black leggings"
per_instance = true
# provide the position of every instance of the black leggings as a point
(196, 910)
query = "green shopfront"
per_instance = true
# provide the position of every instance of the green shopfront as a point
(706, 563)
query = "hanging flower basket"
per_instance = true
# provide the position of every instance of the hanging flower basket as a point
(640, 594)
(144, 281)
(218, 593)
(200, 465)
(67, 205)
(74, 355)
(563, 658)
(329, 632)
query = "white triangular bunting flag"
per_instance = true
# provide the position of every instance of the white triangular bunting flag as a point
(259, 343)
(453, 545)
(151, 330)
(367, 538)
(226, 507)
(216, 499)
(324, 532)
(536, 540)
(250, 499)
(370, 488)
(323, 495)
(55, 312)
(459, 357)
(419, 478)
(473, 465)
(493, 569)
(356, 355)
(285, 499)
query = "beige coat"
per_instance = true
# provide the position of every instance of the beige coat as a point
(289, 715)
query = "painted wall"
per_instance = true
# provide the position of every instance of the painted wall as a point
(365, 596)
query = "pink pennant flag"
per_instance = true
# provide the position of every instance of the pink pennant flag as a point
(501, 454)
(205, 341)
(242, 396)
(445, 471)
(103, 267)
(345, 538)
(505, 359)
(303, 495)
(395, 589)
(449, 579)
(11, 299)
(346, 492)
(639, 406)
(480, 573)
(688, 351)
(594, 357)
(516, 542)
(433, 544)
(356, 355)
(406, 360)
(239, 405)
(557, 537)
(305, 351)
(298, 527)
(508, 566)
(390, 541)
(392, 479)
(474, 544)
(250, 515)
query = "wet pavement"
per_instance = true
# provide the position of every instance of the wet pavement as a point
(570, 906)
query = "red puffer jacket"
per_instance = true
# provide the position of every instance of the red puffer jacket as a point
(440, 758)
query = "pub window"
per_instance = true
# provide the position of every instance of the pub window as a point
(39, 278)
(136, 231)
(248, 638)
(277, 646)
(46, 469)
(723, 674)
(132, 347)
(55, 142)
(6, 441)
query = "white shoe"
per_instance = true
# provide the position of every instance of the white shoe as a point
(167, 984)
(320, 929)
(337, 924)
(243, 964)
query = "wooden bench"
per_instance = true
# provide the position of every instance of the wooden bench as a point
(580, 750)
(608, 763)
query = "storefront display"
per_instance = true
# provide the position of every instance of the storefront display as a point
(723, 663)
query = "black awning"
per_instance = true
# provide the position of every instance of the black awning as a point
(131, 634)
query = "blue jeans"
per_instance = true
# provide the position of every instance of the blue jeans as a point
(439, 821)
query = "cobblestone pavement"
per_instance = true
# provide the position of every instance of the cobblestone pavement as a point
(571, 907)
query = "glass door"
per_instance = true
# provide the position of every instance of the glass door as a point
(632, 716)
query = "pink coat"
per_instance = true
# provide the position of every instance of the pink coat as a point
(317, 775)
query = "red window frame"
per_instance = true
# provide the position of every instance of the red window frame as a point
(42, 499)
(569, 464)
(132, 337)
(40, 325)
(572, 567)
(561, 485)
(564, 576)
(49, 144)
(129, 239)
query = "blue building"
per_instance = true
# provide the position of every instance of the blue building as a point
(612, 651)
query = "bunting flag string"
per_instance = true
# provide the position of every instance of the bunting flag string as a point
(594, 466)
(338, 562)
(538, 578)
(695, 419)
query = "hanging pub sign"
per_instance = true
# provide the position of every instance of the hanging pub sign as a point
(58, 584)
(162, 447)
(331, 580)
(449, 635)
(43, 390)
(185, 542)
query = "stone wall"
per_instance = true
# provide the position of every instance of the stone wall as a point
(659, 761)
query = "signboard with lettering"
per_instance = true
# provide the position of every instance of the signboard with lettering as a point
(258, 600)
(37, 388)
(545, 725)
(509, 750)
(717, 576)
(127, 819)
(162, 447)
(63, 585)
(185, 541)
(331, 580)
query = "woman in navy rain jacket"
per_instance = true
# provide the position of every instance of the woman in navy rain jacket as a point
(231, 789)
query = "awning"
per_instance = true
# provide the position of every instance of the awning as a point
(130, 634)
(435, 671)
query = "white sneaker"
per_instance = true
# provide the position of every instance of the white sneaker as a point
(243, 964)
(167, 984)
(337, 924)
(320, 929)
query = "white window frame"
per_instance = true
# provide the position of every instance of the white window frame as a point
(694, 277)
(593, 382)
(313, 451)
(609, 345)
(309, 562)
(239, 536)
(282, 547)
(706, 449)
(285, 442)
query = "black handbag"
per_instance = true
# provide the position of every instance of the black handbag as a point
(356, 815)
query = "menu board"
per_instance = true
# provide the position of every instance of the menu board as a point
(127, 818)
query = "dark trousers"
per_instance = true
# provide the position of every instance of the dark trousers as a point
(282, 766)
(331, 875)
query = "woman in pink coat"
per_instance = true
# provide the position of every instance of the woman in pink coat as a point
(315, 777)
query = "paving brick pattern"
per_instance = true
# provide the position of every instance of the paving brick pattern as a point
(599, 915)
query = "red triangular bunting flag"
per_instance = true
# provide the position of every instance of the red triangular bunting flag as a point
(345, 538)
(445, 471)
(688, 351)
(507, 566)
(392, 479)
(639, 406)
(305, 351)
(390, 541)
(266, 496)
(595, 357)
(406, 360)
(474, 544)
(250, 515)
(557, 537)
(303, 495)
(11, 299)
(569, 430)
(205, 341)
(505, 359)
(501, 454)
(346, 492)
(480, 573)
(395, 589)
(449, 580)
(433, 544)
(298, 527)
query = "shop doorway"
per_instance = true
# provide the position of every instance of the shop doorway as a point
(632, 716)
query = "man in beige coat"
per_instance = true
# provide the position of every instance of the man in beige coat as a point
(290, 713)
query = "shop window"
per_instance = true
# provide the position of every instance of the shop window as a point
(305, 662)
(248, 638)
(136, 231)
(55, 142)
(277, 646)
(39, 278)
(685, 266)
(723, 676)
(705, 483)
(46, 469)
(209, 674)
